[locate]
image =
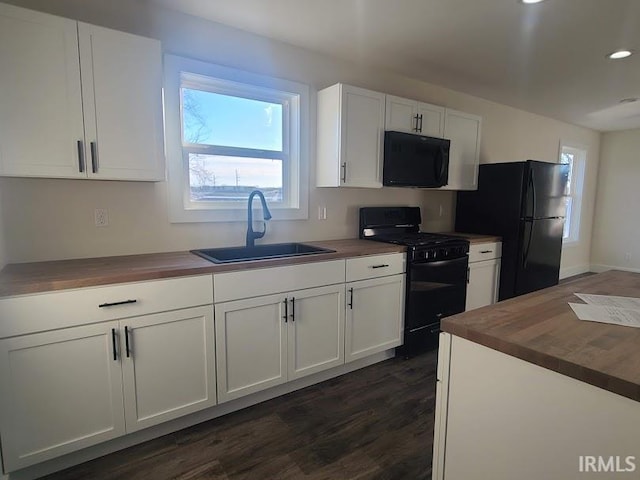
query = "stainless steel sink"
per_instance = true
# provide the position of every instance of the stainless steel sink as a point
(258, 252)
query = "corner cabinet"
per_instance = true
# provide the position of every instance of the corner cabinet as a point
(78, 101)
(350, 137)
(483, 279)
(464, 130)
(132, 365)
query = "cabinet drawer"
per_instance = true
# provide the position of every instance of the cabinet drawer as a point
(267, 281)
(48, 311)
(484, 251)
(372, 266)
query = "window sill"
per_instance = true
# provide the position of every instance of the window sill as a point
(570, 243)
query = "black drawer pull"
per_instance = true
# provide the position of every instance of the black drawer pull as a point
(350, 298)
(486, 251)
(113, 343)
(384, 265)
(124, 302)
(293, 309)
(286, 309)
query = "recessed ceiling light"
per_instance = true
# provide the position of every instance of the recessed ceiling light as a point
(620, 54)
(528, 2)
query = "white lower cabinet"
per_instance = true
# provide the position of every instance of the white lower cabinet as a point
(61, 391)
(483, 278)
(375, 311)
(168, 365)
(265, 341)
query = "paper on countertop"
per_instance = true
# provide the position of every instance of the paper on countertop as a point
(610, 300)
(607, 314)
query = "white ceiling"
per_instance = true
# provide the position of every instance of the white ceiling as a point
(547, 58)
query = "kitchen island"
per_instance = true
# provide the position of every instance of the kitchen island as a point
(528, 391)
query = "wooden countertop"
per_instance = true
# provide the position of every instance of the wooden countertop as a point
(541, 328)
(26, 278)
(476, 237)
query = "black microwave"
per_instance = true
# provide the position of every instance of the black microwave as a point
(415, 160)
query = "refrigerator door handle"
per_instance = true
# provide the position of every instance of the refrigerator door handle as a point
(525, 259)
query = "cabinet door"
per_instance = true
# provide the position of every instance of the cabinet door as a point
(482, 288)
(430, 120)
(40, 98)
(251, 345)
(315, 330)
(61, 391)
(169, 365)
(463, 129)
(362, 127)
(375, 311)
(401, 114)
(122, 94)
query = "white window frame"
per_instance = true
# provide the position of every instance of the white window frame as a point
(576, 189)
(249, 85)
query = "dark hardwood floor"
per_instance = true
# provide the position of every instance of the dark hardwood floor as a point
(375, 423)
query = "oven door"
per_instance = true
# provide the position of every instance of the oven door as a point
(435, 290)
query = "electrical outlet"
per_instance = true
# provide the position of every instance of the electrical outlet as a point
(322, 213)
(627, 257)
(101, 217)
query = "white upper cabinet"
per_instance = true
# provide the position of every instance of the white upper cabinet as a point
(411, 116)
(463, 129)
(78, 101)
(122, 93)
(350, 137)
(40, 101)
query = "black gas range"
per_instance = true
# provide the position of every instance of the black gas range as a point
(437, 272)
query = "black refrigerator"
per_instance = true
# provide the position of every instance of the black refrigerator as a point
(524, 203)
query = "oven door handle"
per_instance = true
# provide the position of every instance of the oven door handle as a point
(439, 263)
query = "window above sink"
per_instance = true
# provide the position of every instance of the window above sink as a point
(228, 133)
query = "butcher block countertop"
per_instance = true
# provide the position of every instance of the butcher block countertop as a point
(541, 328)
(476, 237)
(26, 278)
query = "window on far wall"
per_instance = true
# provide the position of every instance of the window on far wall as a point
(229, 133)
(576, 158)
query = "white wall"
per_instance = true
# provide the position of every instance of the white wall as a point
(53, 219)
(616, 231)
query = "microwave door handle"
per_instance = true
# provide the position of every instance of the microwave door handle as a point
(441, 165)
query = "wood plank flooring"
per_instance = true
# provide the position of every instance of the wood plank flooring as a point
(372, 424)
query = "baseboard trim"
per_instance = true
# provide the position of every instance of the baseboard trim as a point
(599, 268)
(572, 271)
(129, 440)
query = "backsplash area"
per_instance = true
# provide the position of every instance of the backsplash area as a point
(50, 219)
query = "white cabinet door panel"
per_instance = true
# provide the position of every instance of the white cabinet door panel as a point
(431, 121)
(482, 288)
(122, 92)
(170, 370)
(374, 316)
(362, 137)
(463, 129)
(400, 114)
(251, 349)
(61, 391)
(316, 334)
(40, 98)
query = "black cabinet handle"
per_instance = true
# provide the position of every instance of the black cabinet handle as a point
(468, 273)
(80, 156)
(293, 309)
(383, 265)
(286, 310)
(126, 340)
(113, 304)
(344, 172)
(417, 117)
(113, 343)
(420, 124)
(94, 157)
(486, 251)
(350, 298)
